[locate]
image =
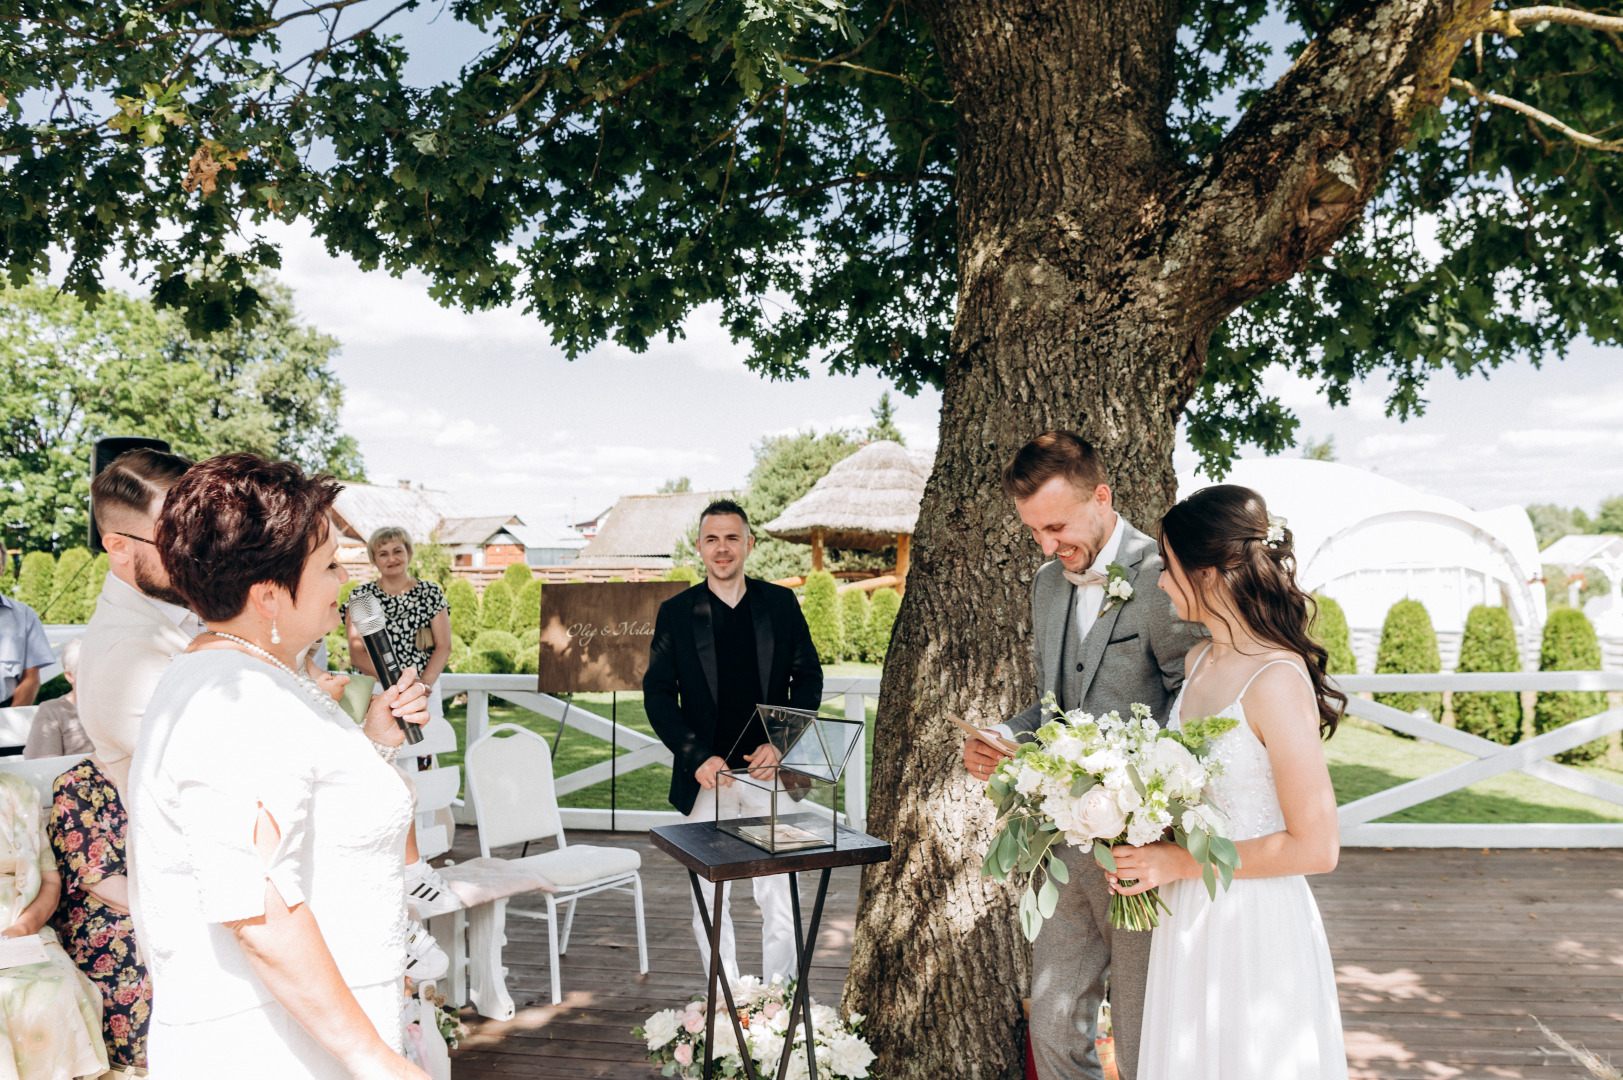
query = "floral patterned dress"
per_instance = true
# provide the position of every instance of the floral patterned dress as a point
(50, 1023)
(87, 832)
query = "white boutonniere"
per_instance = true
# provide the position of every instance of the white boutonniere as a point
(1118, 590)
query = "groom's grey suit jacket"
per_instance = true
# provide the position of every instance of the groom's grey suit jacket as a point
(1133, 652)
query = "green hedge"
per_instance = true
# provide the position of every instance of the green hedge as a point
(488, 662)
(68, 592)
(853, 622)
(528, 660)
(8, 579)
(496, 606)
(1569, 644)
(683, 573)
(1489, 644)
(1330, 630)
(1409, 647)
(517, 575)
(337, 650)
(527, 608)
(881, 618)
(460, 652)
(95, 578)
(464, 605)
(35, 583)
(821, 609)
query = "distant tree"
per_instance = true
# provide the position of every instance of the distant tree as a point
(1320, 449)
(821, 609)
(1409, 647)
(1610, 518)
(1552, 522)
(431, 562)
(1569, 644)
(1489, 644)
(786, 467)
(884, 422)
(681, 485)
(1330, 630)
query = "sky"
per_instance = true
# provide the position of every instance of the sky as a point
(485, 407)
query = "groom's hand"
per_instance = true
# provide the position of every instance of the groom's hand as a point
(706, 774)
(980, 759)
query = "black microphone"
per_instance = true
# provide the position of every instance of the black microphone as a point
(366, 615)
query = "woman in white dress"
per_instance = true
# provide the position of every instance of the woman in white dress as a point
(1242, 988)
(267, 829)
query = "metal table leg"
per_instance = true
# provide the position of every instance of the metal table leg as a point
(804, 948)
(711, 921)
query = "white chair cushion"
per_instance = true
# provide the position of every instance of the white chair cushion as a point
(580, 864)
(480, 881)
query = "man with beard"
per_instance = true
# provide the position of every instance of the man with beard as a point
(140, 620)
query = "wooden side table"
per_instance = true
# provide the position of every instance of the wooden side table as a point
(720, 857)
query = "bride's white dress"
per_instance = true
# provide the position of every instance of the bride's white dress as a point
(1241, 988)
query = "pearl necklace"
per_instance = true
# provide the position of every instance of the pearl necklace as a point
(307, 684)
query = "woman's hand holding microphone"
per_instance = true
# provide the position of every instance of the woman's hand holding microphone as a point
(404, 702)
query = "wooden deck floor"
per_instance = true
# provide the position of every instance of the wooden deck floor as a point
(1442, 959)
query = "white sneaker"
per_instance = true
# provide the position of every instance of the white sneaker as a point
(424, 958)
(427, 892)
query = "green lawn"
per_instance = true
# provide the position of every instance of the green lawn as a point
(1362, 762)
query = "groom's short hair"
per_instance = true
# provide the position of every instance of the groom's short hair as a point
(1051, 454)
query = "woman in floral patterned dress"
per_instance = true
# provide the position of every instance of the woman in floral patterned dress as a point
(87, 832)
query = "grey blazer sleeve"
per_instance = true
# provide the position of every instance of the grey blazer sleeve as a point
(1031, 718)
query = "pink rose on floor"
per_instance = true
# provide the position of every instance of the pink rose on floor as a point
(695, 1007)
(1099, 816)
(693, 1022)
(684, 1054)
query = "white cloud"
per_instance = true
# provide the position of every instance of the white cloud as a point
(1564, 439)
(1602, 406)
(1398, 443)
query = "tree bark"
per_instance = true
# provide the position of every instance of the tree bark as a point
(1093, 266)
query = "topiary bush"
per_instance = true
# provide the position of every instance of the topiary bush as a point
(345, 590)
(529, 651)
(35, 582)
(881, 617)
(853, 621)
(464, 605)
(527, 609)
(1569, 644)
(67, 604)
(517, 575)
(683, 573)
(1330, 630)
(1489, 644)
(496, 606)
(95, 578)
(337, 650)
(821, 608)
(488, 662)
(460, 652)
(1409, 647)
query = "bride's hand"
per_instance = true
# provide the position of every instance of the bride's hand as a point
(1149, 866)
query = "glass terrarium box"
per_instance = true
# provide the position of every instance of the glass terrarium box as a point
(799, 794)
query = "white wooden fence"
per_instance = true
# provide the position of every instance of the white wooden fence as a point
(643, 749)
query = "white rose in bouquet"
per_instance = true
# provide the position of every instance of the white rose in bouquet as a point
(1104, 761)
(1069, 748)
(1121, 786)
(1101, 816)
(1029, 780)
(661, 1028)
(1147, 826)
(850, 1056)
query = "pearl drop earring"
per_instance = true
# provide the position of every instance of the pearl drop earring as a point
(276, 639)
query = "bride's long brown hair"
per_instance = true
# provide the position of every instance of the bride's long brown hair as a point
(1225, 528)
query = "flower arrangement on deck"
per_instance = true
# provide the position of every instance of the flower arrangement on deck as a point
(675, 1037)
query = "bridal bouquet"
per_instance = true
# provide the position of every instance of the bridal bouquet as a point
(1095, 782)
(675, 1037)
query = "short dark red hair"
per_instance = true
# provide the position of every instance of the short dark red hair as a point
(236, 520)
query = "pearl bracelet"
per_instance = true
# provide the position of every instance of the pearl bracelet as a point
(387, 753)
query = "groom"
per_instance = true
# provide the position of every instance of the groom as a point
(1098, 650)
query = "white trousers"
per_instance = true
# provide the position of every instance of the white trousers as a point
(771, 894)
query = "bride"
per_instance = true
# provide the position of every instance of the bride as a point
(1242, 988)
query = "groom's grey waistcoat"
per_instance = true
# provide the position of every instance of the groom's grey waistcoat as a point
(1133, 653)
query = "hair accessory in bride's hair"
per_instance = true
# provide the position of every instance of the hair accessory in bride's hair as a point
(1276, 531)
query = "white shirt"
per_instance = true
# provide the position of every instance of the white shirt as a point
(226, 734)
(181, 617)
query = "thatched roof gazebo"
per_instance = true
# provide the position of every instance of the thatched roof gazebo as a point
(867, 502)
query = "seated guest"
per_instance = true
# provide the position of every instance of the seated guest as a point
(86, 828)
(267, 829)
(50, 1023)
(56, 729)
(24, 649)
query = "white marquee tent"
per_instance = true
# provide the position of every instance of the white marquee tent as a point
(1368, 541)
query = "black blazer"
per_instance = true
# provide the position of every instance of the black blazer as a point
(679, 689)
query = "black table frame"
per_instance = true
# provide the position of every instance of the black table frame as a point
(726, 858)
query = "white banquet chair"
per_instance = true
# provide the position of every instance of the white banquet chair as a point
(509, 774)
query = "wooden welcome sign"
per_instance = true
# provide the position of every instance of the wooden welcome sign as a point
(595, 635)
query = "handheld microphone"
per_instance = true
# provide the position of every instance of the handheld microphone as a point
(366, 615)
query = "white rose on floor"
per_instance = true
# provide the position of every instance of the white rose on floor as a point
(726, 1039)
(850, 1056)
(825, 1021)
(661, 1028)
(1100, 816)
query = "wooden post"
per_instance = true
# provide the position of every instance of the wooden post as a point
(817, 549)
(904, 544)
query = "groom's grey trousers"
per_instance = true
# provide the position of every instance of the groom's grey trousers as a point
(1131, 653)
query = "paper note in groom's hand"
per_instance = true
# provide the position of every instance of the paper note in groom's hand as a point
(17, 951)
(990, 738)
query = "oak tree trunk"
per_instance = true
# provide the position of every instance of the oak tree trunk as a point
(1093, 266)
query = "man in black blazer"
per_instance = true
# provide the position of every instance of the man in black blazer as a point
(721, 648)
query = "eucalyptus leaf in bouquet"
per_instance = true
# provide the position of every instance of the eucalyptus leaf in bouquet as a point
(1095, 782)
